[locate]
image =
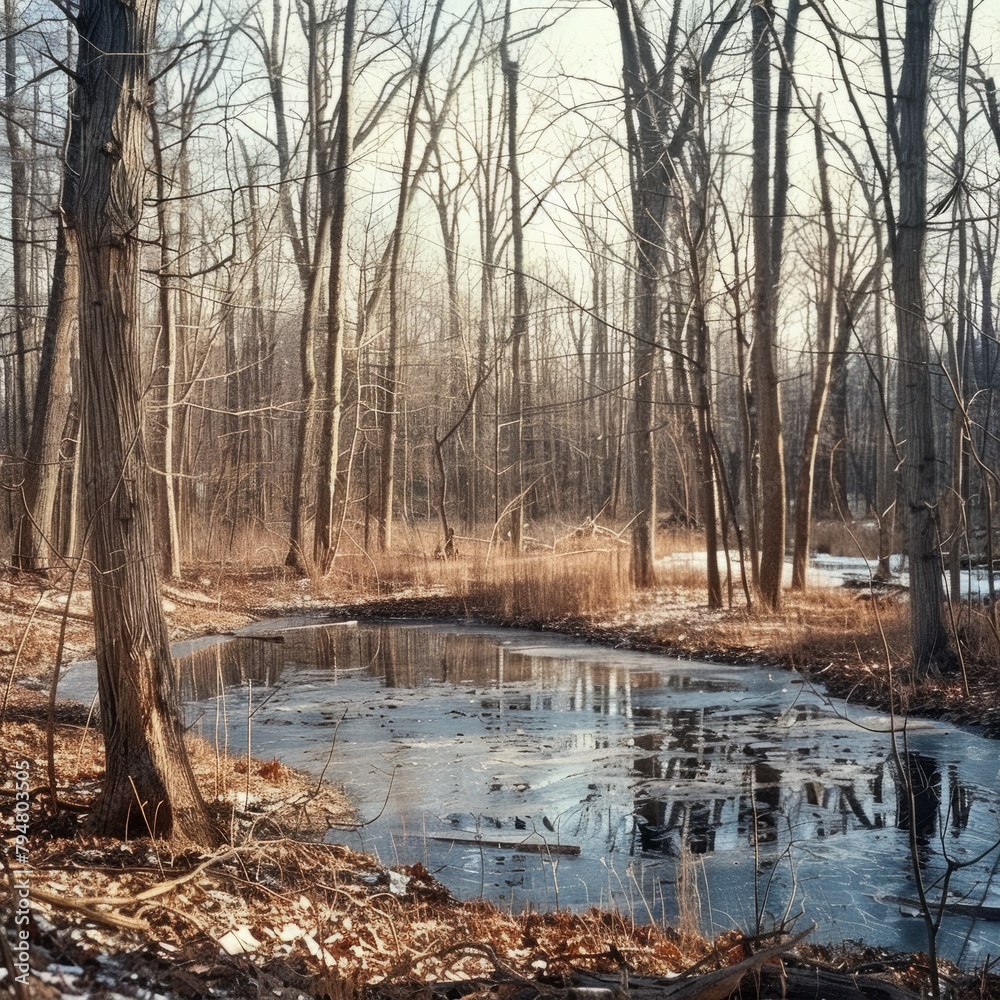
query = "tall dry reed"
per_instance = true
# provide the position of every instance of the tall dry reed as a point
(551, 586)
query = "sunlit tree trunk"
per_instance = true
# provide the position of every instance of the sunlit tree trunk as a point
(166, 377)
(323, 544)
(390, 385)
(36, 542)
(148, 787)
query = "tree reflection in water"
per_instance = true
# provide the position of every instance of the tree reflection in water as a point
(626, 756)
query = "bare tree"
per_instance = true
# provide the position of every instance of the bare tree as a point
(323, 545)
(390, 385)
(148, 785)
(769, 211)
(656, 133)
(931, 643)
(36, 546)
(906, 122)
(19, 235)
(520, 368)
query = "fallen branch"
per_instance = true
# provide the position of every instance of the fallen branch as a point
(86, 907)
(528, 846)
(87, 903)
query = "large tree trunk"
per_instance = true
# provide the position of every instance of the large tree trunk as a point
(931, 645)
(149, 786)
(767, 220)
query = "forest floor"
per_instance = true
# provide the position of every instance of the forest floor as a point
(279, 913)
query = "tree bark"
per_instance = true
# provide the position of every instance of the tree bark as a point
(390, 413)
(149, 787)
(931, 644)
(18, 227)
(36, 544)
(826, 309)
(169, 535)
(767, 254)
(519, 369)
(653, 147)
(323, 540)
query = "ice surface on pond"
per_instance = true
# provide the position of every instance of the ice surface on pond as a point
(537, 771)
(835, 571)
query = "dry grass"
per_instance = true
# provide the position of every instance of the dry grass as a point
(687, 570)
(828, 625)
(571, 584)
(672, 540)
(980, 636)
(837, 538)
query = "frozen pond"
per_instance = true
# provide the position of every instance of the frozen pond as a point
(537, 771)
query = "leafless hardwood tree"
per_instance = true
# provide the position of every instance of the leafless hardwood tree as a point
(19, 229)
(390, 383)
(826, 304)
(906, 215)
(932, 648)
(148, 785)
(769, 211)
(36, 546)
(656, 133)
(520, 365)
(323, 545)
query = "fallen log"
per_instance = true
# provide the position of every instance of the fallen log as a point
(960, 908)
(821, 984)
(527, 846)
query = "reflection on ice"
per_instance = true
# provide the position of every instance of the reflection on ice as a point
(493, 757)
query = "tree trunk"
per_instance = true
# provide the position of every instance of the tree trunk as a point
(323, 542)
(650, 193)
(519, 375)
(387, 470)
(18, 228)
(701, 375)
(827, 308)
(653, 151)
(169, 536)
(931, 645)
(764, 352)
(307, 422)
(36, 544)
(148, 786)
